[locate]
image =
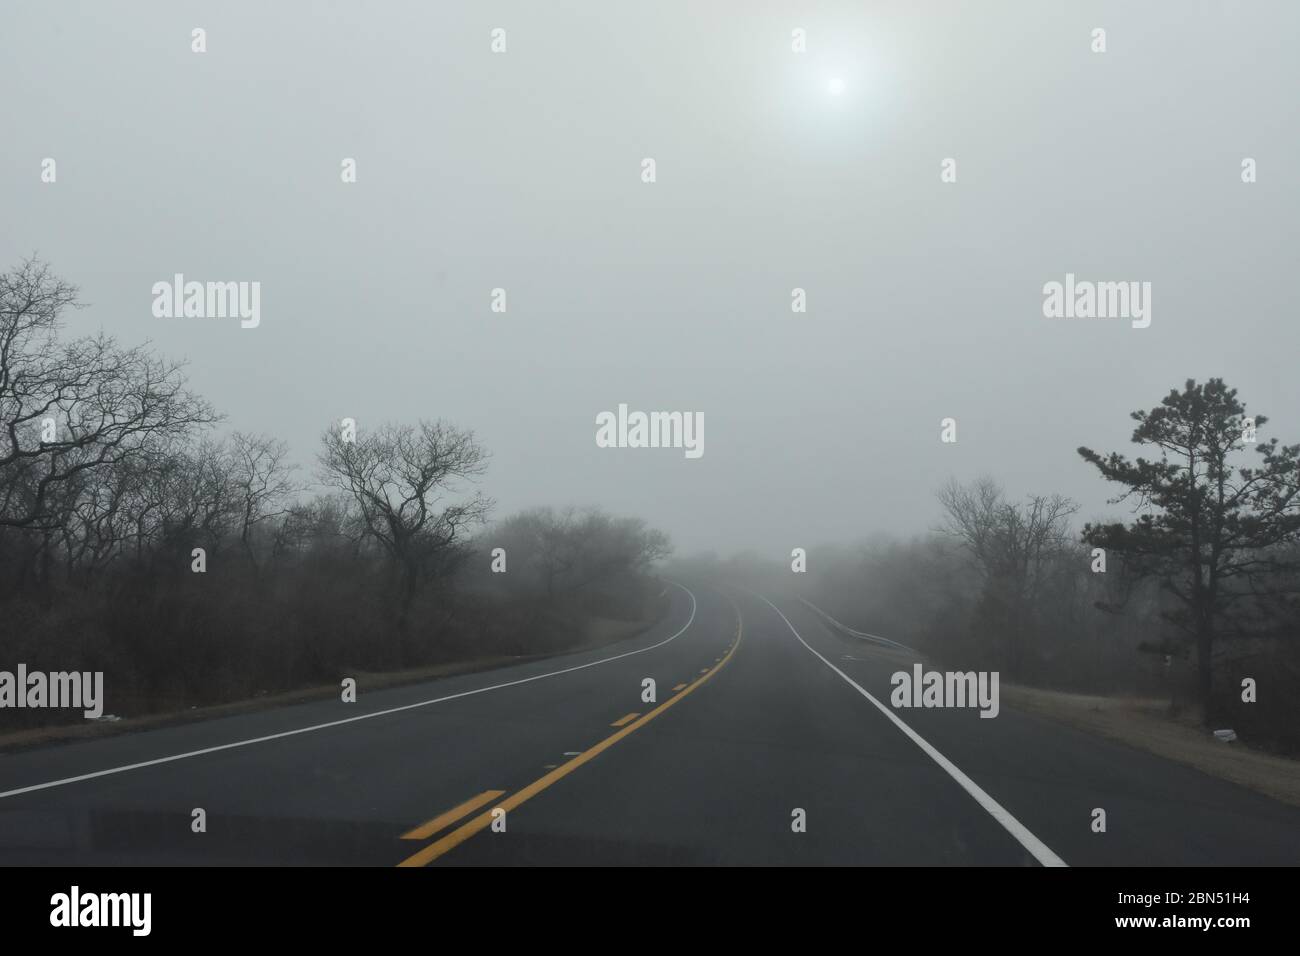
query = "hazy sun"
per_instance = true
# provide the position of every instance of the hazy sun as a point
(835, 86)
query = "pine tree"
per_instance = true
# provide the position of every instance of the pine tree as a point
(1212, 532)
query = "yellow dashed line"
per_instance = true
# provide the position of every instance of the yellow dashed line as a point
(426, 830)
(484, 820)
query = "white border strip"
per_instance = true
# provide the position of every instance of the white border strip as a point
(1040, 851)
(348, 720)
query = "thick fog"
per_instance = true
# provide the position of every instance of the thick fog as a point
(774, 170)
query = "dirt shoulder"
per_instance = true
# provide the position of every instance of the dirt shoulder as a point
(1144, 723)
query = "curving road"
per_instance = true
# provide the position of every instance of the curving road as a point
(762, 716)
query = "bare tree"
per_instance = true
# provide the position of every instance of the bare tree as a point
(1014, 547)
(262, 480)
(75, 407)
(400, 476)
(615, 546)
(569, 549)
(541, 546)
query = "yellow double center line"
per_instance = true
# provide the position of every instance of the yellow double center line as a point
(484, 820)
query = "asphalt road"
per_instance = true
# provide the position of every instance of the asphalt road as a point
(762, 716)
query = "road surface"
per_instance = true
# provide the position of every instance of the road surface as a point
(763, 717)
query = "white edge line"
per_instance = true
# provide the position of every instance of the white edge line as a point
(348, 720)
(1040, 850)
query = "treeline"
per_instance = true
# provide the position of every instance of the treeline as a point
(194, 567)
(1032, 610)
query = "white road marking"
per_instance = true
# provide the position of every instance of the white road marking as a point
(1040, 851)
(349, 720)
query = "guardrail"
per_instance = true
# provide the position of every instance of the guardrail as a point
(861, 635)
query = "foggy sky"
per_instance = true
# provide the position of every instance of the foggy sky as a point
(522, 170)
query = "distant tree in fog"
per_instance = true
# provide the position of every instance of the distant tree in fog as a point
(566, 550)
(1013, 545)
